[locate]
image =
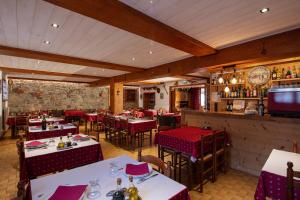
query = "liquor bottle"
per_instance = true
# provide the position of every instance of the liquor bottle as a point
(288, 73)
(298, 72)
(274, 74)
(261, 106)
(243, 77)
(279, 74)
(254, 92)
(244, 92)
(282, 74)
(44, 123)
(119, 193)
(248, 92)
(294, 74)
(133, 192)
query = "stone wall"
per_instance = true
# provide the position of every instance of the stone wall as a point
(29, 95)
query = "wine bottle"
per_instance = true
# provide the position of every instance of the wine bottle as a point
(282, 74)
(254, 92)
(133, 192)
(274, 74)
(278, 76)
(248, 92)
(288, 73)
(44, 123)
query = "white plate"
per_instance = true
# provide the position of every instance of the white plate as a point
(139, 176)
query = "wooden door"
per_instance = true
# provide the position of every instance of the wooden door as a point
(149, 100)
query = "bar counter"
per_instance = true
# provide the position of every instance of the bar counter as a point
(252, 137)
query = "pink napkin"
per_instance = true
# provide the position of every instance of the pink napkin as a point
(77, 137)
(34, 144)
(137, 170)
(68, 192)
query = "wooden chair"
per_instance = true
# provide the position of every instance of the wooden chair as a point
(100, 122)
(220, 159)
(205, 163)
(21, 123)
(162, 167)
(292, 184)
(124, 132)
(23, 179)
(94, 137)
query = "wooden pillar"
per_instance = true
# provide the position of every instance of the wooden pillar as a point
(116, 97)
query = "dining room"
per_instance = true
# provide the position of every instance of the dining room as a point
(149, 99)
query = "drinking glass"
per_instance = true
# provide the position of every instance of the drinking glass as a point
(114, 168)
(94, 189)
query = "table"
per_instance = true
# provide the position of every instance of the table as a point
(148, 190)
(36, 132)
(74, 113)
(272, 180)
(150, 113)
(38, 121)
(90, 117)
(185, 140)
(44, 161)
(15, 121)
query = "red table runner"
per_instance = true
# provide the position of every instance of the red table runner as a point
(51, 134)
(186, 140)
(61, 160)
(74, 113)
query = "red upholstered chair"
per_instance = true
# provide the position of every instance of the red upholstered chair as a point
(292, 184)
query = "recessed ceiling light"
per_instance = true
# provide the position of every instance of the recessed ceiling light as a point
(133, 58)
(150, 52)
(264, 10)
(47, 42)
(103, 70)
(54, 25)
(38, 62)
(151, 2)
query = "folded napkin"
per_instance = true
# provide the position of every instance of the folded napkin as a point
(79, 137)
(35, 144)
(68, 192)
(136, 170)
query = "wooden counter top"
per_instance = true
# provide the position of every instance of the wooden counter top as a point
(266, 117)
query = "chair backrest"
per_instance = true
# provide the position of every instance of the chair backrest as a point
(292, 184)
(21, 120)
(162, 167)
(112, 122)
(220, 140)
(206, 145)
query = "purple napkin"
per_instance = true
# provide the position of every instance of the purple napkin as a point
(35, 144)
(68, 192)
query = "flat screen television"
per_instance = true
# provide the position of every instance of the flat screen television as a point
(4, 90)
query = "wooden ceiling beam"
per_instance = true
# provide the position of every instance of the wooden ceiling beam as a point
(29, 71)
(120, 15)
(40, 79)
(24, 53)
(275, 47)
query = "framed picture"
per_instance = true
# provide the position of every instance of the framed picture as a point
(130, 95)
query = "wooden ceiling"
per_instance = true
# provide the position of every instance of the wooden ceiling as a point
(86, 37)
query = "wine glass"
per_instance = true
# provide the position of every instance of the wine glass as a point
(94, 189)
(114, 168)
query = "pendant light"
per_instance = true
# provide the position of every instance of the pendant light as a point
(226, 89)
(233, 80)
(221, 79)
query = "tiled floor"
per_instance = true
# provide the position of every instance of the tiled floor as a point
(234, 185)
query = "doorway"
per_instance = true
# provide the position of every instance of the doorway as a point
(149, 100)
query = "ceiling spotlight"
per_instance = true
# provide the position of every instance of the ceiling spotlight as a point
(133, 58)
(103, 70)
(150, 52)
(47, 42)
(264, 10)
(38, 62)
(54, 25)
(151, 2)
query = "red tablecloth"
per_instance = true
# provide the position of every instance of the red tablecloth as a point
(186, 140)
(150, 113)
(90, 117)
(74, 113)
(273, 186)
(139, 127)
(51, 134)
(10, 121)
(61, 160)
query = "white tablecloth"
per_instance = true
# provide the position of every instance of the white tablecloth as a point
(52, 147)
(277, 162)
(157, 188)
(34, 129)
(48, 119)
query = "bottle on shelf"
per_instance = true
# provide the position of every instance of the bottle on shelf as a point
(288, 73)
(119, 193)
(248, 92)
(132, 191)
(279, 74)
(274, 74)
(298, 72)
(282, 73)
(254, 92)
(294, 74)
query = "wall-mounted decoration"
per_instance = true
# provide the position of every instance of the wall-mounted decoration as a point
(130, 95)
(259, 75)
(161, 95)
(158, 90)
